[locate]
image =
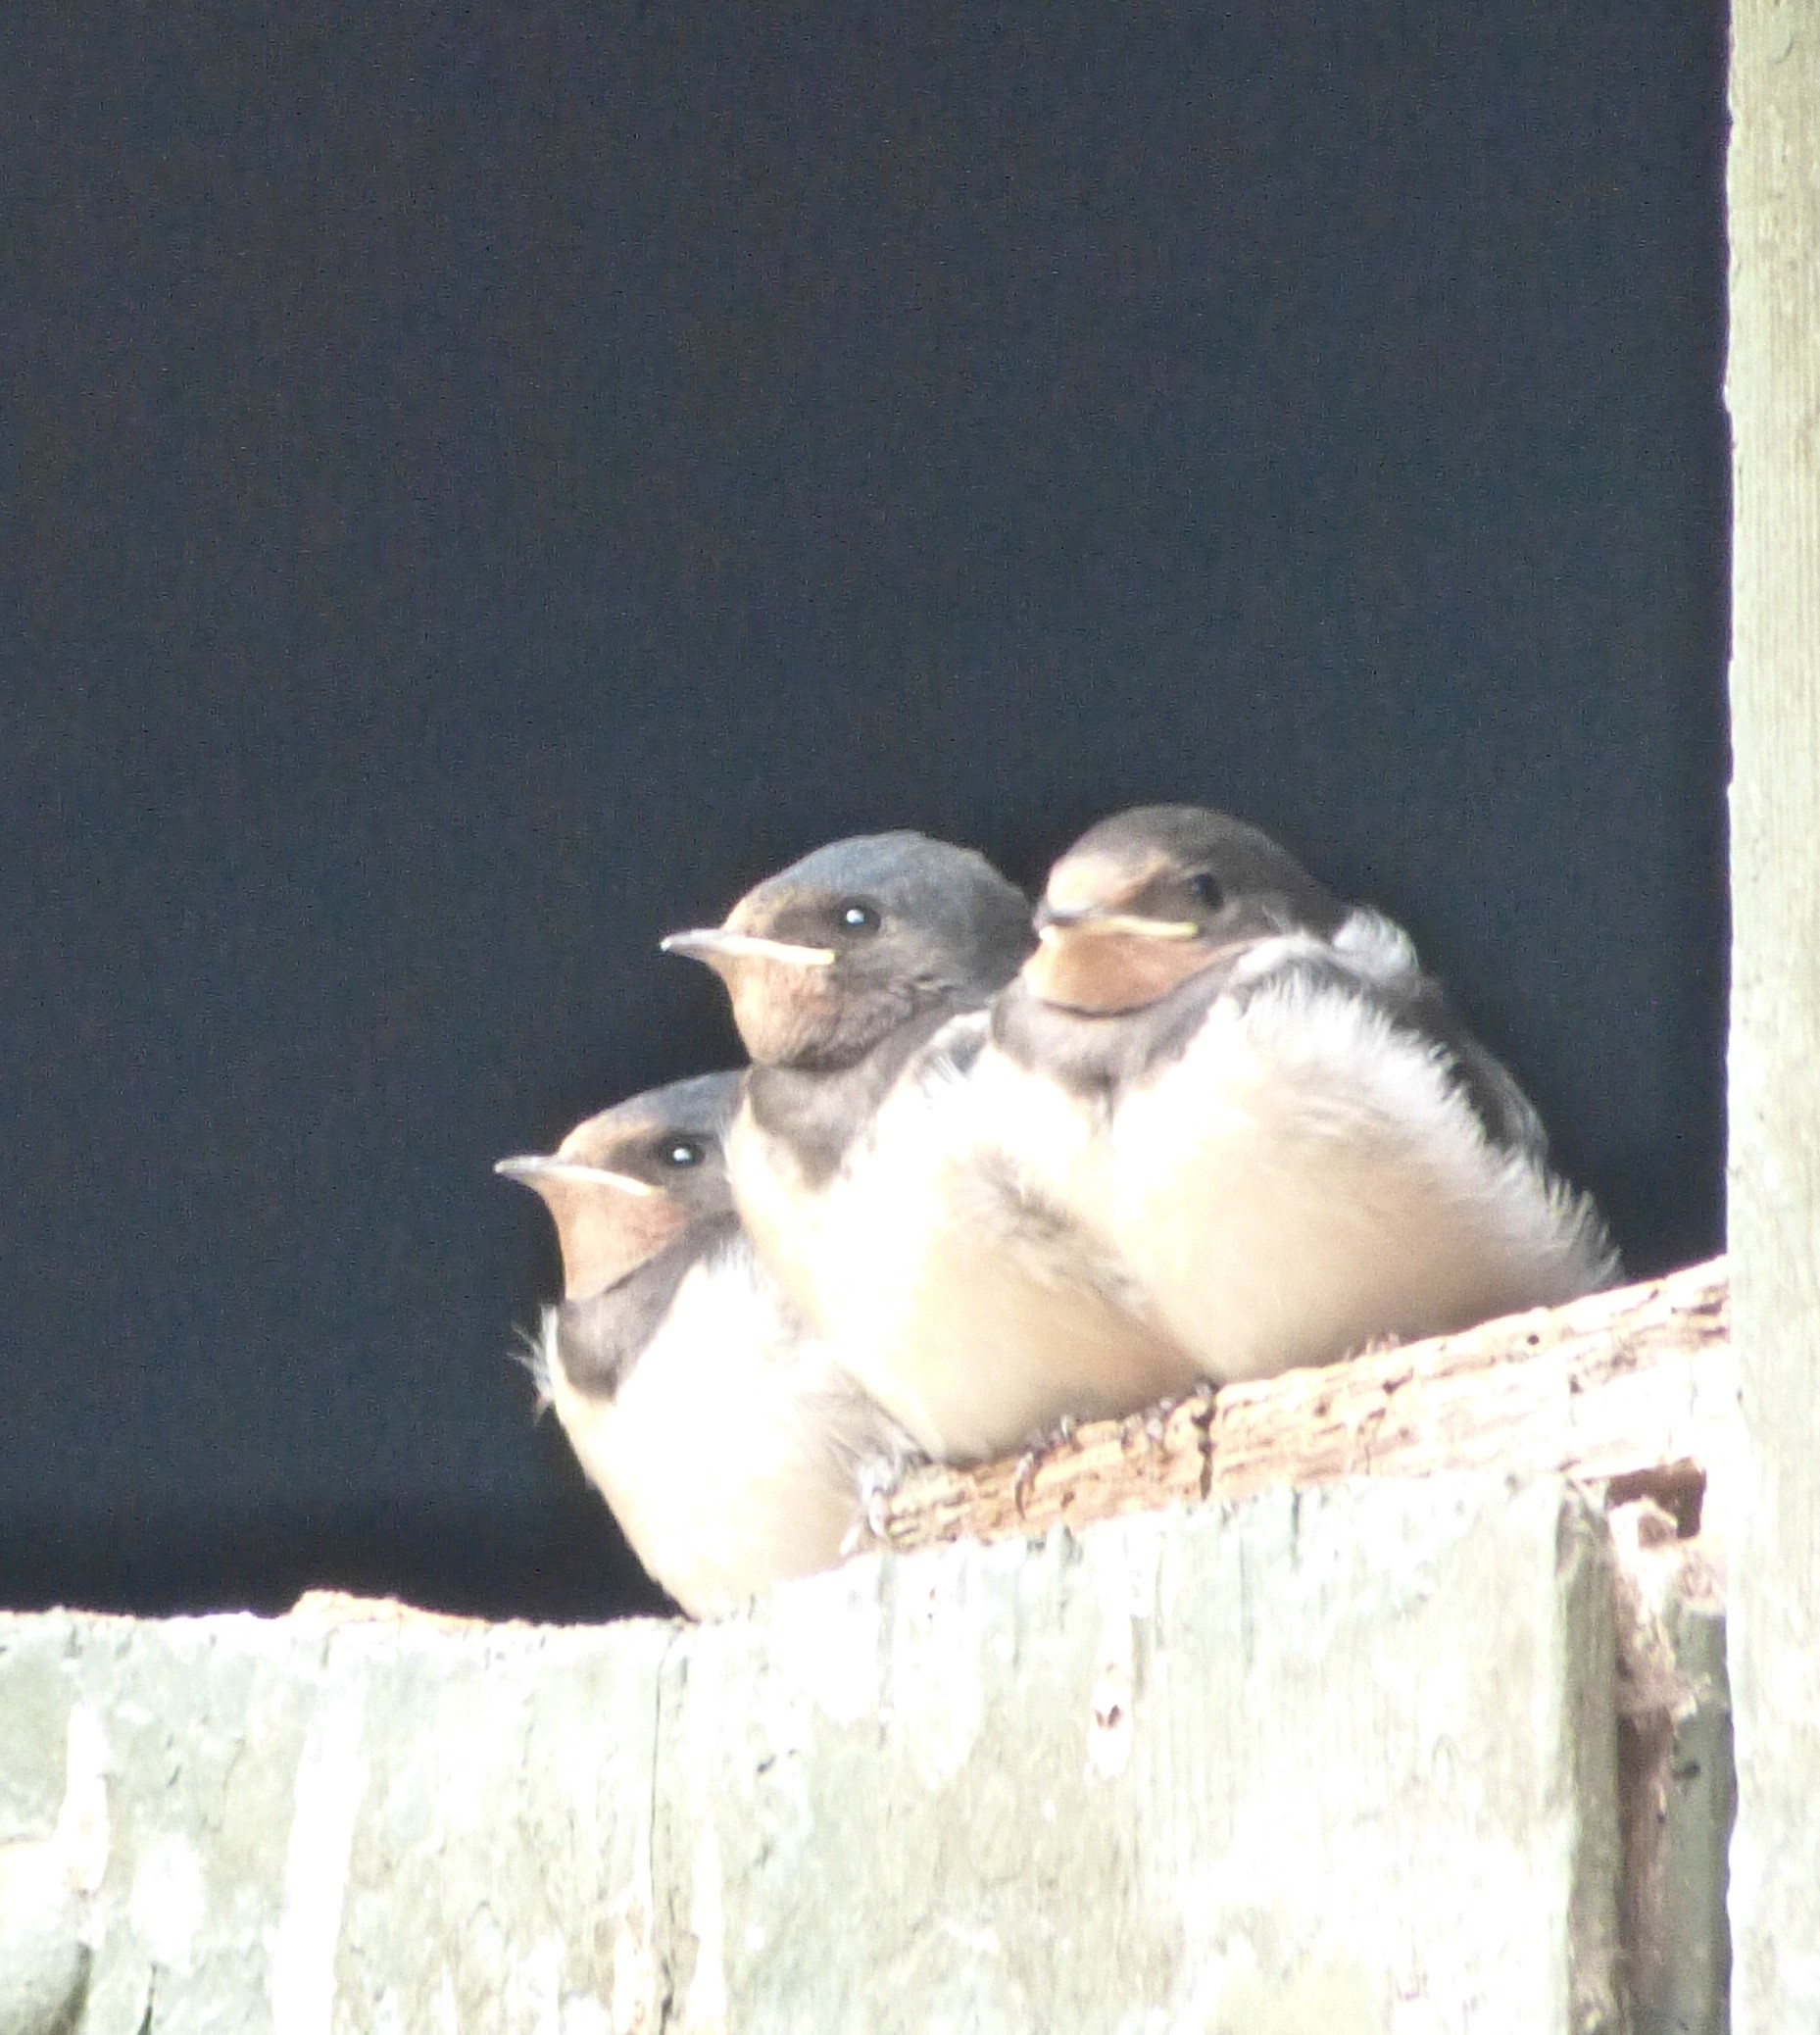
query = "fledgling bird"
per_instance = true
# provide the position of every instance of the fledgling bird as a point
(730, 1446)
(1257, 1101)
(865, 1176)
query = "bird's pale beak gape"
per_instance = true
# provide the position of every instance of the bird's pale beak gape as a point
(1054, 920)
(532, 1172)
(712, 943)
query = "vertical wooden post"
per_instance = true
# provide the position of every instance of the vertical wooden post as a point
(1773, 390)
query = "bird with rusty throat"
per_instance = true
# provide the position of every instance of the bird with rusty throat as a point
(864, 1173)
(714, 1421)
(1255, 1101)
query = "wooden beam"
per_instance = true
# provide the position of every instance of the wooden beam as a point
(1633, 1389)
(1773, 391)
(986, 1788)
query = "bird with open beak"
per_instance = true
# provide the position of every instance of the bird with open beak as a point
(730, 1446)
(1265, 1111)
(864, 1173)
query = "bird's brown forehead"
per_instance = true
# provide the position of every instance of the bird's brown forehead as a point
(761, 909)
(591, 1143)
(603, 1140)
(1098, 876)
(594, 1142)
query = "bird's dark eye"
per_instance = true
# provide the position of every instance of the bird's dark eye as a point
(684, 1152)
(1206, 890)
(859, 917)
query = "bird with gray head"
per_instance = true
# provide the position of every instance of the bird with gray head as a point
(859, 979)
(1265, 1111)
(730, 1446)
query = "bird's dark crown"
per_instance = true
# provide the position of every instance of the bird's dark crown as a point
(912, 925)
(1185, 866)
(673, 1138)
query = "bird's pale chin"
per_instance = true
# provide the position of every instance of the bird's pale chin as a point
(1102, 972)
(784, 1014)
(604, 1235)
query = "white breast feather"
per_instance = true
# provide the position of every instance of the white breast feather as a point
(1307, 1177)
(730, 1455)
(949, 1299)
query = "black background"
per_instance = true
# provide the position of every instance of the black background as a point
(483, 485)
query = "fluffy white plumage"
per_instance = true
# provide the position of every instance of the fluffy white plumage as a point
(733, 1451)
(953, 1297)
(1307, 1174)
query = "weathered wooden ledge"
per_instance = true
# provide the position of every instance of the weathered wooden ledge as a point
(1344, 1761)
(1364, 1756)
(1634, 1390)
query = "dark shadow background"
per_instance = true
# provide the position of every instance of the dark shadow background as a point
(483, 485)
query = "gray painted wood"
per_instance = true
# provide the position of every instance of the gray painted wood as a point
(1343, 1760)
(1676, 1787)
(1773, 390)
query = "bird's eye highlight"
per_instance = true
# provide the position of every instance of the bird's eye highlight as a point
(1206, 891)
(684, 1152)
(859, 917)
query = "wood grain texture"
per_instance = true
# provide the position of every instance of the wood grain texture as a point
(1773, 391)
(1676, 1777)
(1337, 1761)
(1634, 1387)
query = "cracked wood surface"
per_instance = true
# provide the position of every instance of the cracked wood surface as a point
(883, 1798)
(1633, 1389)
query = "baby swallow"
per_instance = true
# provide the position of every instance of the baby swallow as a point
(1265, 1111)
(729, 1445)
(866, 1174)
